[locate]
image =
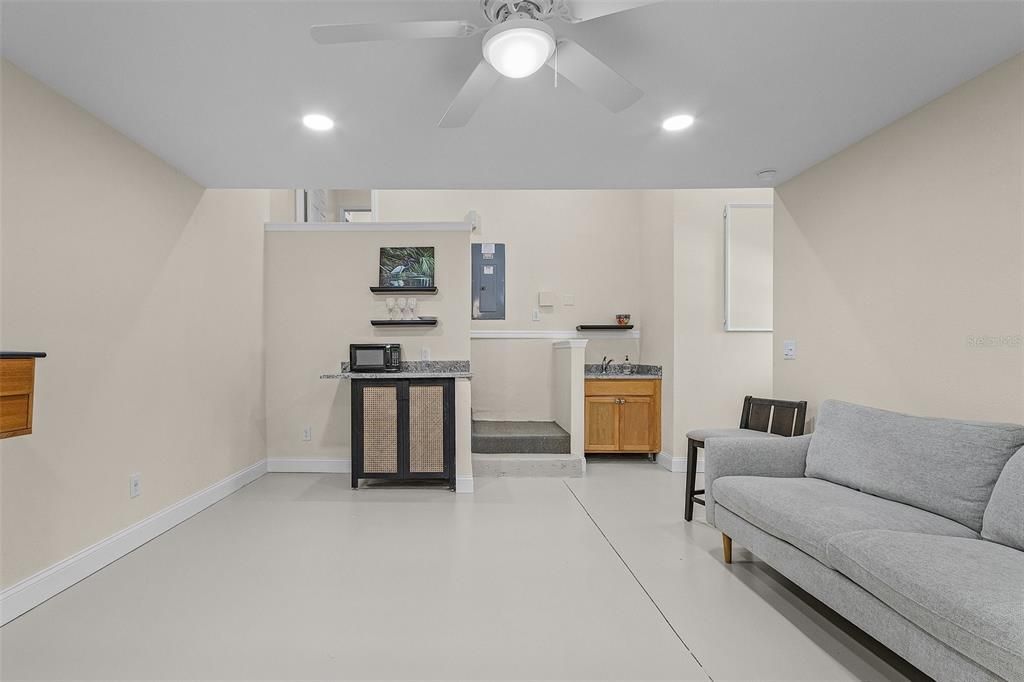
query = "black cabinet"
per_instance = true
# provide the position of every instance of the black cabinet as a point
(403, 429)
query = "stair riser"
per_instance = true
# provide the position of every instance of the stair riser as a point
(511, 445)
(526, 468)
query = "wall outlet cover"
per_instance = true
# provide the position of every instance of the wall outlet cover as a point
(536, 314)
(307, 433)
(789, 350)
(134, 485)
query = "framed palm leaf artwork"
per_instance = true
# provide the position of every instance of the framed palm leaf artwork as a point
(406, 266)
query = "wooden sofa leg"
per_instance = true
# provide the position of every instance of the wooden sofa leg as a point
(726, 548)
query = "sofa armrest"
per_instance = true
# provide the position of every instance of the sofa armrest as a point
(777, 457)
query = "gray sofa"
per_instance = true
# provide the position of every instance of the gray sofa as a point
(912, 528)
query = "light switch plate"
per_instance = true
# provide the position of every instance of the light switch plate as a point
(536, 314)
(425, 353)
(134, 485)
(789, 350)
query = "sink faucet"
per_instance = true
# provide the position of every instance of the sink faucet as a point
(605, 361)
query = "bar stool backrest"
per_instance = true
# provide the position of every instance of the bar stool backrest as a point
(781, 417)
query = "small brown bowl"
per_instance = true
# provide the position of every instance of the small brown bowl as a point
(622, 319)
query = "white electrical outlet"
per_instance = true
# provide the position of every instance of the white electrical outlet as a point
(307, 433)
(536, 314)
(424, 353)
(789, 350)
(134, 485)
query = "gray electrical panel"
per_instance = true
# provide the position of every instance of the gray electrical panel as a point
(488, 281)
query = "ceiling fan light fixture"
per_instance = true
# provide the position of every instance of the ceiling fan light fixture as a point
(317, 122)
(517, 48)
(678, 122)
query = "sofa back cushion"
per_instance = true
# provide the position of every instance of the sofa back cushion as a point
(945, 466)
(1004, 516)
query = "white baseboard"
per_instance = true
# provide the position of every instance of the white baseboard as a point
(287, 465)
(308, 466)
(677, 465)
(34, 590)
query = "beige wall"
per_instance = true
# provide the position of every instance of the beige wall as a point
(713, 369)
(318, 302)
(145, 290)
(580, 243)
(657, 302)
(656, 254)
(894, 254)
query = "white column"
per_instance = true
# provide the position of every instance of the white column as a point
(568, 403)
(463, 437)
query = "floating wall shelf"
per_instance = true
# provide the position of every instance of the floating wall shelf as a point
(603, 327)
(404, 290)
(404, 323)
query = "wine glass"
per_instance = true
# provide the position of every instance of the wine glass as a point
(390, 303)
(401, 308)
(412, 309)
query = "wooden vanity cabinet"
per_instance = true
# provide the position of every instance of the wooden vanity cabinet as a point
(17, 391)
(622, 415)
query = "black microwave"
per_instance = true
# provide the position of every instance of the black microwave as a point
(375, 357)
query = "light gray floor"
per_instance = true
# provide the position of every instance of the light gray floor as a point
(298, 577)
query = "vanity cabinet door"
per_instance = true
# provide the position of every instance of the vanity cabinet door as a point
(602, 424)
(638, 425)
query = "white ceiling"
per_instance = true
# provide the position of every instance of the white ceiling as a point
(218, 88)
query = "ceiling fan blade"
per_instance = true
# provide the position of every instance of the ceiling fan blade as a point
(470, 96)
(332, 34)
(585, 10)
(591, 75)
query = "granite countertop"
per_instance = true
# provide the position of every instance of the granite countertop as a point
(418, 369)
(615, 372)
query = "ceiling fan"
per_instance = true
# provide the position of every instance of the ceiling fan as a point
(517, 44)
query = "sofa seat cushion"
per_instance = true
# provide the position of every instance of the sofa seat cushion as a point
(703, 434)
(808, 512)
(968, 594)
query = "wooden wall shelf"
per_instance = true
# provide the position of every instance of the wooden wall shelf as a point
(404, 290)
(404, 323)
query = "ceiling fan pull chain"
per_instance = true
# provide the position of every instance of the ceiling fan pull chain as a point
(556, 64)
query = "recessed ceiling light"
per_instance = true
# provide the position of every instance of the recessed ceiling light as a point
(317, 122)
(677, 122)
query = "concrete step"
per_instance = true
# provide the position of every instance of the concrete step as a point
(528, 465)
(493, 437)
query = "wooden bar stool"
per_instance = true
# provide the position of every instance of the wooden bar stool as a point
(761, 418)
